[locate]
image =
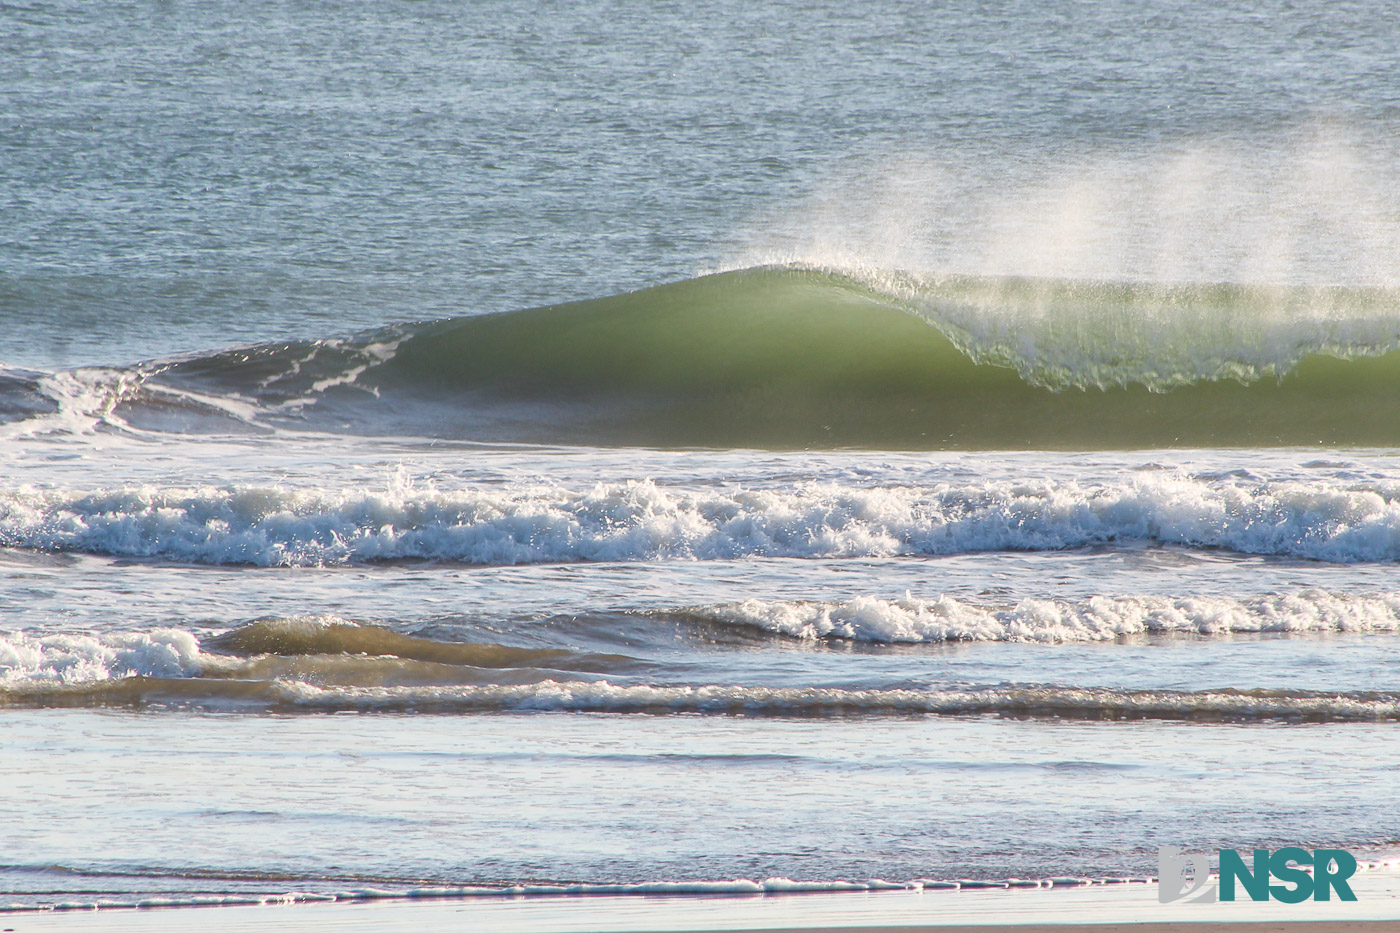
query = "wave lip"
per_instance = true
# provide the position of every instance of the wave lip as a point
(641, 520)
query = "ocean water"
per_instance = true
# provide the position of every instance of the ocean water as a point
(691, 448)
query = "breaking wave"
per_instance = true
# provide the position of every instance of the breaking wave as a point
(1052, 621)
(642, 520)
(779, 357)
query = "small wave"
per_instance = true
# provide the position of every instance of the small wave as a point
(1052, 621)
(601, 696)
(329, 635)
(313, 649)
(274, 526)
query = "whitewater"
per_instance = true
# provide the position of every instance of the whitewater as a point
(713, 450)
(640, 520)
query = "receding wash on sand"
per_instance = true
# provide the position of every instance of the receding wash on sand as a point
(552, 468)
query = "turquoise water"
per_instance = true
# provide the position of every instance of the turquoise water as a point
(450, 447)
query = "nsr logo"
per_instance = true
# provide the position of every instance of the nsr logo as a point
(1180, 876)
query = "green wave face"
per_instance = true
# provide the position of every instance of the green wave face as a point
(782, 358)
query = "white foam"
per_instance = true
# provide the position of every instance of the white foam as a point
(83, 659)
(89, 400)
(278, 526)
(85, 398)
(371, 355)
(1099, 618)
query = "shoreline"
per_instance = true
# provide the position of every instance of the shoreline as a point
(1111, 908)
(1385, 866)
